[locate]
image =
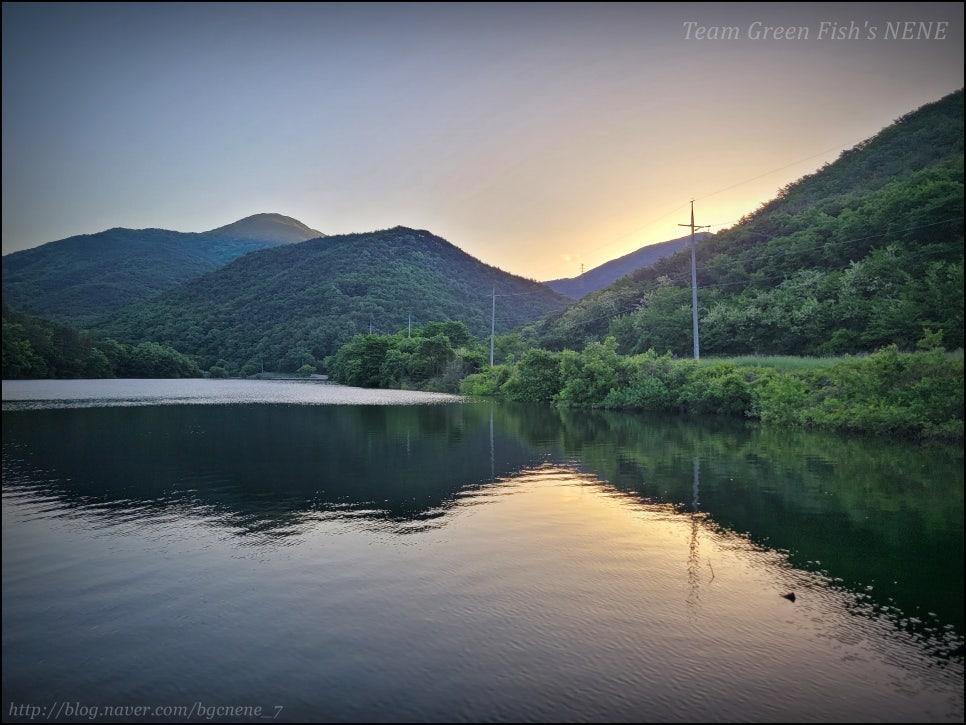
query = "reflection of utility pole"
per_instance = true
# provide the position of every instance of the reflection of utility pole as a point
(694, 491)
(694, 282)
(694, 578)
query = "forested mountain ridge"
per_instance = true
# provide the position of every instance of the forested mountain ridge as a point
(609, 272)
(80, 279)
(282, 308)
(866, 252)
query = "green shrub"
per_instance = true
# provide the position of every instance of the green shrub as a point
(537, 377)
(591, 375)
(487, 382)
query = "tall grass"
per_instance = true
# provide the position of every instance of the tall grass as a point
(777, 362)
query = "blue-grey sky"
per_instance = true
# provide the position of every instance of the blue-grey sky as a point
(537, 137)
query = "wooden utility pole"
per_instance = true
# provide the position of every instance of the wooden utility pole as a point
(694, 282)
(492, 327)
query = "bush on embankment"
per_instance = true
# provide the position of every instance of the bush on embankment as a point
(916, 395)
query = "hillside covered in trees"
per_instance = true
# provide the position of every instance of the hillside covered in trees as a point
(292, 306)
(37, 349)
(81, 279)
(864, 253)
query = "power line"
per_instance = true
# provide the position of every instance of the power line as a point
(824, 245)
(655, 220)
(677, 278)
(768, 173)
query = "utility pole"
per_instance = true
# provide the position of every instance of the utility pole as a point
(492, 326)
(694, 282)
(410, 324)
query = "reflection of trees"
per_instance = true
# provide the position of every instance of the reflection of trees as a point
(262, 469)
(872, 512)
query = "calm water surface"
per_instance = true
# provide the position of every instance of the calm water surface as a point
(328, 553)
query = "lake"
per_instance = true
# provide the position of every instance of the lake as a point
(301, 551)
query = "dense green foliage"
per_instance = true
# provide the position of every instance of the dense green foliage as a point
(911, 394)
(34, 349)
(84, 278)
(864, 253)
(286, 307)
(435, 357)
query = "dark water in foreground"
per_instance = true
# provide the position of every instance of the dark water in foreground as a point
(465, 561)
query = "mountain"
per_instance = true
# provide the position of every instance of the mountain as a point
(272, 228)
(864, 253)
(83, 278)
(599, 277)
(283, 307)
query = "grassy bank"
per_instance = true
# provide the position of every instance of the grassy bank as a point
(913, 395)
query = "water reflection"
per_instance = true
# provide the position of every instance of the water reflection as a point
(882, 519)
(694, 558)
(477, 562)
(256, 468)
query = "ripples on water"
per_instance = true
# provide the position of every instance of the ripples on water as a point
(468, 577)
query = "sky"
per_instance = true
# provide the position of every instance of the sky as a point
(536, 137)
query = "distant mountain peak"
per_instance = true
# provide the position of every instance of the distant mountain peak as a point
(609, 272)
(268, 227)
